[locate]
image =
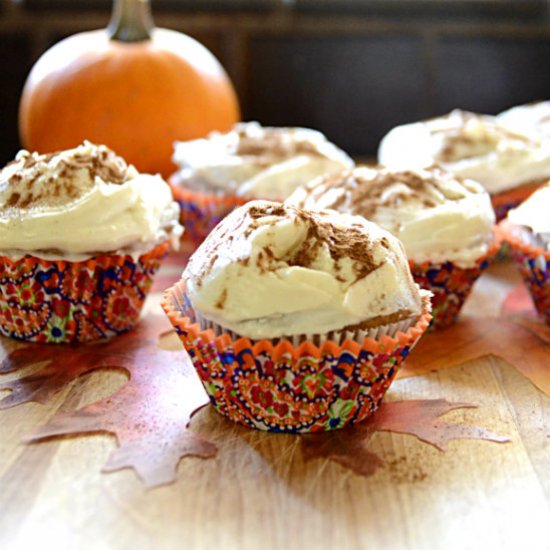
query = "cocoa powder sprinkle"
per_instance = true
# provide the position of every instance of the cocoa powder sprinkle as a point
(340, 242)
(364, 190)
(220, 304)
(98, 161)
(271, 142)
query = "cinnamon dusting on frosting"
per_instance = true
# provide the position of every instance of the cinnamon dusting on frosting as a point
(436, 215)
(77, 203)
(341, 242)
(365, 190)
(269, 142)
(34, 179)
(222, 299)
(469, 135)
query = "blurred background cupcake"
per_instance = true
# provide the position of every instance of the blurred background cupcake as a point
(297, 321)
(527, 230)
(444, 222)
(225, 170)
(510, 164)
(81, 236)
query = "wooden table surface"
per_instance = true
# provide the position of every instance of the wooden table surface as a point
(259, 493)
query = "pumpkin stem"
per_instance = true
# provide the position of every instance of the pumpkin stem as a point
(131, 21)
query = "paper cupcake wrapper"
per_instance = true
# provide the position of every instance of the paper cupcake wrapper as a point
(201, 212)
(56, 301)
(534, 266)
(505, 201)
(279, 386)
(502, 202)
(450, 284)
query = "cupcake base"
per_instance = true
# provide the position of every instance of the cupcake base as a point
(450, 285)
(56, 301)
(291, 387)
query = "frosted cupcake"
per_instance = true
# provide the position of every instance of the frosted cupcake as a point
(444, 222)
(297, 321)
(527, 230)
(223, 171)
(81, 236)
(509, 164)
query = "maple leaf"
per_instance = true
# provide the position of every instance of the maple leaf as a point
(149, 415)
(349, 447)
(517, 336)
(43, 384)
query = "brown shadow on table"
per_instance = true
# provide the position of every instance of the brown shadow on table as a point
(258, 459)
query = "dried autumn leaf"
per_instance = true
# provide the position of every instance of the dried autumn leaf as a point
(518, 337)
(149, 415)
(41, 385)
(349, 447)
(421, 419)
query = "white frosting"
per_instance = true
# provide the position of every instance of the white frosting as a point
(533, 118)
(257, 162)
(436, 216)
(59, 206)
(470, 146)
(534, 213)
(269, 270)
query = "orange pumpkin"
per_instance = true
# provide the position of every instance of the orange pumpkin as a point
(132, 87)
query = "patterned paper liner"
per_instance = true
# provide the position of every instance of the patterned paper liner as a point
(58, 301)
(502, 202)
(281, 387)
(534, 265)
(201, 212)
(450, 284)
(337, 336)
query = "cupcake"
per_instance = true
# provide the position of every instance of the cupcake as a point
(81, 237)
(297, 321)
(223, 171)
(509, 164)
(527, 230)
(444, 222)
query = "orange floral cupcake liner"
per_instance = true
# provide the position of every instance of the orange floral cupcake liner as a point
(450, 284)
(201, 212)
(533, 264)
(57, 301)
(294, 388)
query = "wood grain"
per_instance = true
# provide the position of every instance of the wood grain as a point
(260, 493)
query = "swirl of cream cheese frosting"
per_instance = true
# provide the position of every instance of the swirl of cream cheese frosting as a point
(255, 161)
(78, 203)
(437, 216)
(270, 270)
(470, 146)
(533, 213)
(532, 118)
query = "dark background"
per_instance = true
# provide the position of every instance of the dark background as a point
(351, 68)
